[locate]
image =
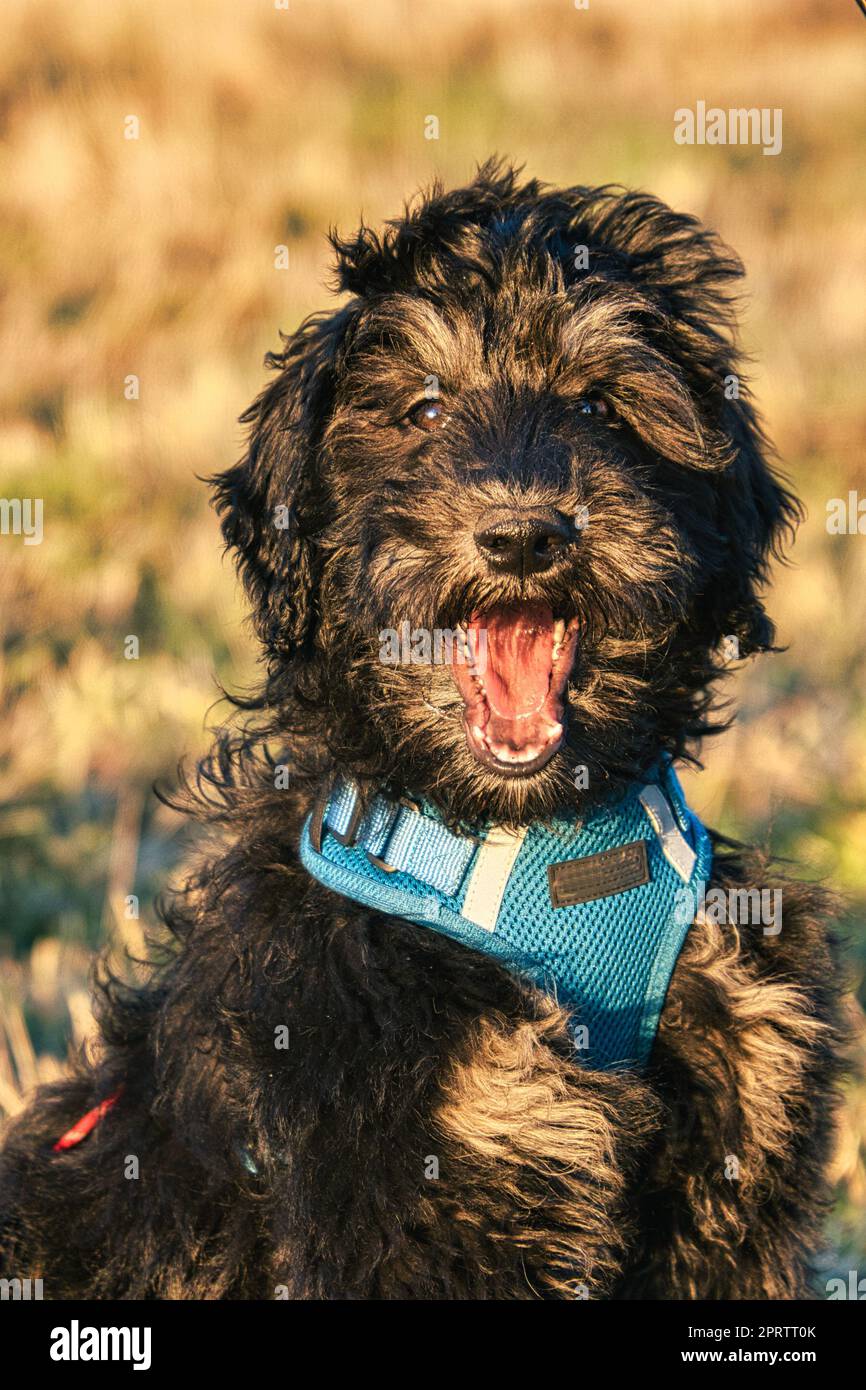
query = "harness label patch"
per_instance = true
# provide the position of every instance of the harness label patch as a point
(599, 875)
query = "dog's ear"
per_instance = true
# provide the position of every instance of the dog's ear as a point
(692, 278)
(755, 515)
(271, 502)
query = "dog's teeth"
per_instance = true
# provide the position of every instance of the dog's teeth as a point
(558, 632)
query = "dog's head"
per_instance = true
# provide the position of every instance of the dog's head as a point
(505, 515)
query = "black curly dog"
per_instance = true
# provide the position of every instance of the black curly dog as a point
(510, 359)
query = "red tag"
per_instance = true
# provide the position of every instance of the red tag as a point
(82, 1128)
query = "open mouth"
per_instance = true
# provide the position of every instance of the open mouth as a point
(512, 671)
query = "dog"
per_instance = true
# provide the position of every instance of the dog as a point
(362, 1069)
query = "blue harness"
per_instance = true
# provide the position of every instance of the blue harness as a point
(593, 909)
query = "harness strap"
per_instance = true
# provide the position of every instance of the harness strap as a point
(674, 845)
(401, 838)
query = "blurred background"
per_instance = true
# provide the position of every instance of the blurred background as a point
(141, 284)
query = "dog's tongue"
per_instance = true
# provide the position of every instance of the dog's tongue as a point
(519, 647)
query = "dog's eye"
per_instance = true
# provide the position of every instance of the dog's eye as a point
(594, 405)
(427, 415)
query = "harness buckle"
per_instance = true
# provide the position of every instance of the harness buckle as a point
(319, 823)
(347, 837)
(374, 858)
(380, 863)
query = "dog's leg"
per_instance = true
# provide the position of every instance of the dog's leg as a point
(747, 1060)
(540, 1153)
(502, 1176)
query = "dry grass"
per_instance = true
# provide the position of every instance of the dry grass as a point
(155, 257)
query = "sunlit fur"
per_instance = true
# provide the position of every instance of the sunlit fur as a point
(428, 1131)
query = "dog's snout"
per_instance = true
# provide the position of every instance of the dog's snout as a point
(522, 542)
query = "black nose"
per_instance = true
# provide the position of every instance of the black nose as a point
(522, 542)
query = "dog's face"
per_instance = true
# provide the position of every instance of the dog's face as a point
(500, 511)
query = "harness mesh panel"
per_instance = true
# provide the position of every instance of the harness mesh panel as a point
(608, 960)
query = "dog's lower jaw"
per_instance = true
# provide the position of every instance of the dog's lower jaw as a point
(520, 764)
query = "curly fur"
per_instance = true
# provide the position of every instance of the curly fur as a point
(427, 1132)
